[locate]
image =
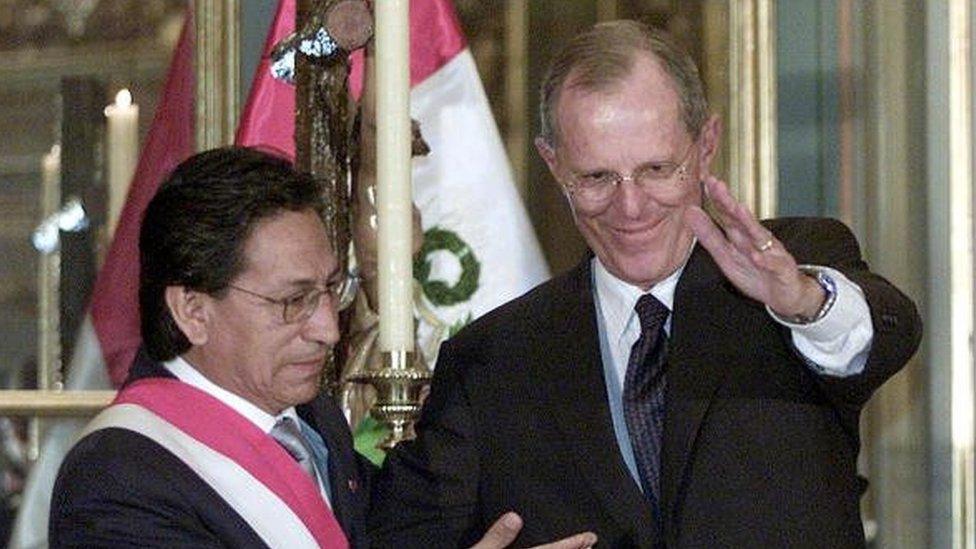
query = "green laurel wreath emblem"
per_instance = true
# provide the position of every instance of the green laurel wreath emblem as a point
(437, 291)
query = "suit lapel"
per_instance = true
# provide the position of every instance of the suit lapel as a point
(572, 382)
(704, 317)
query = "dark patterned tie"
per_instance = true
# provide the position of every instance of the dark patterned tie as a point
(644, 396)
(289, 436)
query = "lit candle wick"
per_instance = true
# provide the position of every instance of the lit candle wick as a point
(123, 98)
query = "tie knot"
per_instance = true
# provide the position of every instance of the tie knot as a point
(651, 312)
(289, 435)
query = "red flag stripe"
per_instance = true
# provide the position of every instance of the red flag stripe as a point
(269, 115)
(435, 38)
(115, 303)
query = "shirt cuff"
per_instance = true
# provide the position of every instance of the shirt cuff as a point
(836, 344)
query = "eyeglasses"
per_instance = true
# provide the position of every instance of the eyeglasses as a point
(598, 187)
(299, 307)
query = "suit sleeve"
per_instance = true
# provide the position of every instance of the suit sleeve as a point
(426, 493)
(896, 324)
(106, 496)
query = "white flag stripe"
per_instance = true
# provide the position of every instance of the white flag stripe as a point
(465, 185)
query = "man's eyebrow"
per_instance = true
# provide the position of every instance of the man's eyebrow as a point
(332, 277)
(656, 161)
(652, 163)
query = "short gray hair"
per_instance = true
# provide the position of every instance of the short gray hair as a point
(604, 55)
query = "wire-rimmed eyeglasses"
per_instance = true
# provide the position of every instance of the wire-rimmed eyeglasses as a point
(300, 306)
(597, 187)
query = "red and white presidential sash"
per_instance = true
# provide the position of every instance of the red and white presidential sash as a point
(245, 466)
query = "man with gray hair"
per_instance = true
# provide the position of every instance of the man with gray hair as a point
(696, 381)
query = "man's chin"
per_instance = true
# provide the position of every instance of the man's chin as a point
(641, 273)
(301, 394)
(639, 268)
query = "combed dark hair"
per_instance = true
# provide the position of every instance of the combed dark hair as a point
(604, 55)
(194, 229)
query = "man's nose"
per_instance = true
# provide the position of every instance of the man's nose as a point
(323, 325)
(630, 196)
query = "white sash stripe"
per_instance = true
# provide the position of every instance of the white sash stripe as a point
(264, 511)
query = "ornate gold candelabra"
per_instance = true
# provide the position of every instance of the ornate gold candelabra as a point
(399, 379)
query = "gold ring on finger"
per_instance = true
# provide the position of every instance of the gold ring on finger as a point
(765, 245)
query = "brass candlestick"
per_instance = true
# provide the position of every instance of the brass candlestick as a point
(399, 380)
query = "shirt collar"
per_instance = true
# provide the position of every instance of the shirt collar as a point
(618, 298)
(187, 373)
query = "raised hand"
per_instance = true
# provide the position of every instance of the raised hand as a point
(751, 257)
(507, 527)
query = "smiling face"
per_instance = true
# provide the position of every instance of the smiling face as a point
(244, 345)
(638, 234)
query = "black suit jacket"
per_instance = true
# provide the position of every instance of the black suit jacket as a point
(117, 488)
(759, 450)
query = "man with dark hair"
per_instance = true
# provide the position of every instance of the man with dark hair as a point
(219, 436)
(694, 382)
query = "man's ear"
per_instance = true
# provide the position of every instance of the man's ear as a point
(548, 153)
(711, 139)
(190, 310)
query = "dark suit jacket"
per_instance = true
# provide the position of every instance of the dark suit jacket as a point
(759, 450)
(117, 488)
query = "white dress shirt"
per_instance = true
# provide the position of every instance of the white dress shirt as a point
(836, 345)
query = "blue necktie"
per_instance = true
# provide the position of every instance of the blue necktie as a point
(644, 397)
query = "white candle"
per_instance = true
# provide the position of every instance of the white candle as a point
(51, 181)
(393, 195)
(48, 280)
(123, 152)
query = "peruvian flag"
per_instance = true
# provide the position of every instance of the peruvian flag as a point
(479, 248)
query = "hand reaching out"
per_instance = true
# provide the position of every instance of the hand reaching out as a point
(507, 527)
(751, 257)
